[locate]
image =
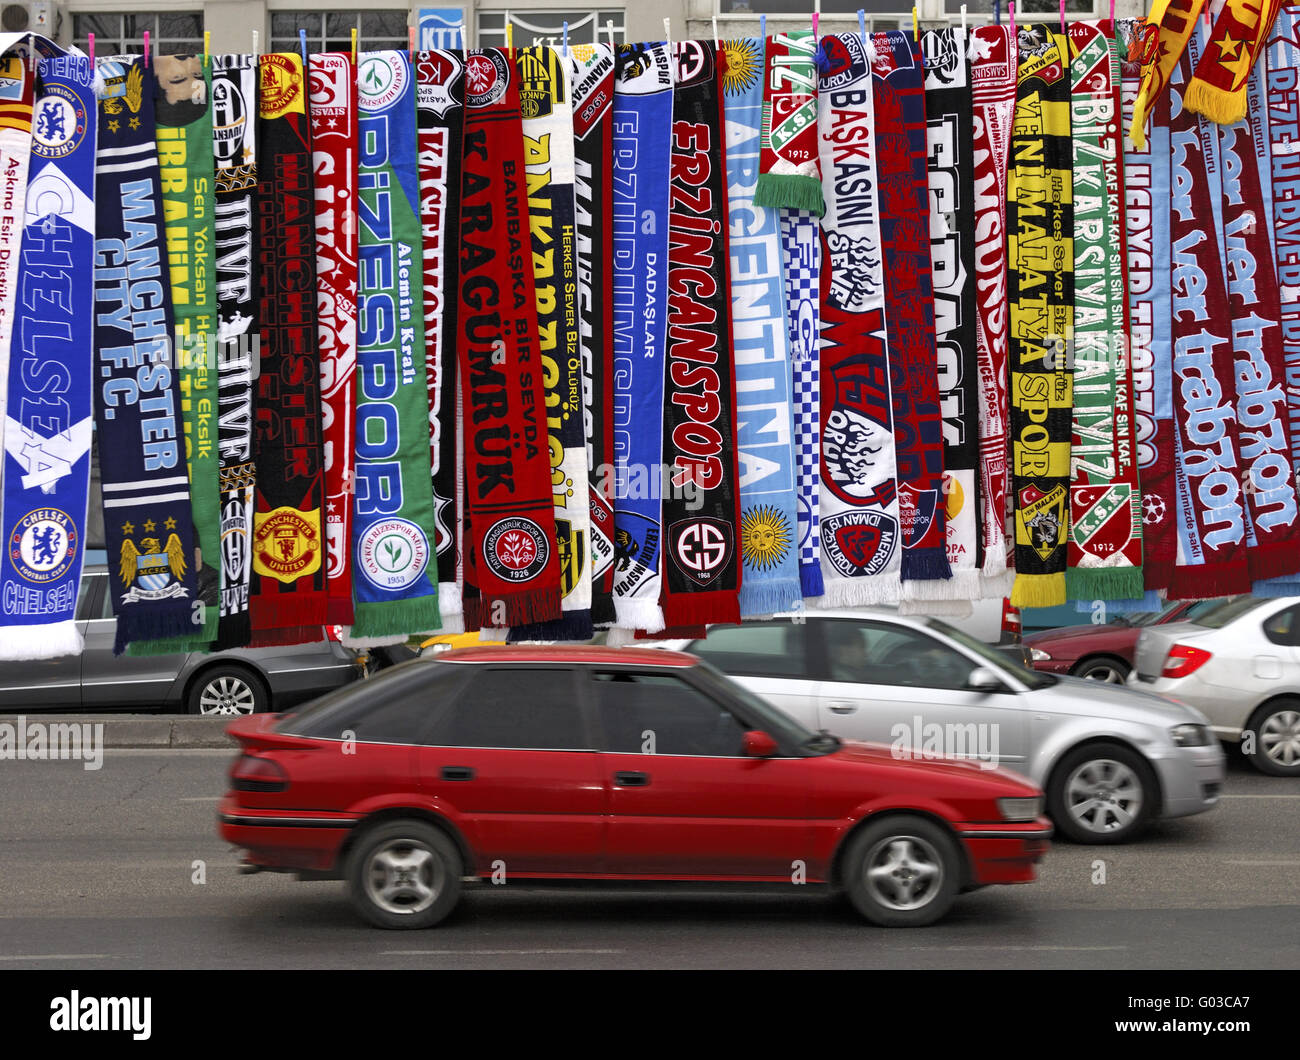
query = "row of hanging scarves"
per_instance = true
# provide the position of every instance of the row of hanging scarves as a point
(539, 340)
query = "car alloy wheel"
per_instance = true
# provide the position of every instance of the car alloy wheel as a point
(403, 874)
(227, 694)
(1104, 796)
(904, 872)
(901, 870)
(1106, 671)
(1277, 738)
(403, 877)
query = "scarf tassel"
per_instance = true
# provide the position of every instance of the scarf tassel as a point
(768, 597)
(1225, 108)
(793, 191)
(1103, 583)
(925, 564)
(1038, 590)
(521, 609)
(571, 625)
(46, 641)
(810, 580)
(1278, 560)
(158, 623)
(1208, 581)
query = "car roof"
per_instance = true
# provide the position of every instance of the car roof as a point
(592, 654)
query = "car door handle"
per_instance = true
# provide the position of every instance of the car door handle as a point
(457, 773)
(632, 780)
(841, 708)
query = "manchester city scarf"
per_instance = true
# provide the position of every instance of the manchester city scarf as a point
(643, 114)
(1040, 294)
(801, 256)
(1219, 87)
(788, 173)
(1169, 24)
(138, 416)
(47, 436)
(861, 551)
(15, 151)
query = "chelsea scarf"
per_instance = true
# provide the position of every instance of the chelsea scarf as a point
(15, 151)
(788, 173)
(1219, 87)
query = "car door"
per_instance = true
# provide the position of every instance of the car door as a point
(50, 684)
(121, 682)
(770, 659)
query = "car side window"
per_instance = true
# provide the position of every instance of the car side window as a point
(395, 707)
(756, 649)
(514, 707)
(878, 653)
(86, 595)
(1284, 627)
(645, 713)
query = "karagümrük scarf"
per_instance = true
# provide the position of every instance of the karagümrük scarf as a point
(332, 106)
(909, 304)
(1040, 295)
(761, 342)
(802, 258)
(643, 117)
(788, 174)
(234, 121)
(512, 572)
(138, 419)
(15, 152)
(1219, 87)
(288, 599)
(50, 382)
(440, 110)
(395, 573)
(861, 548)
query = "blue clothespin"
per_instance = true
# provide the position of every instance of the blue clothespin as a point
(302, 43)
(762, 27)
(862, 26)
(997, 12)
(566, 40)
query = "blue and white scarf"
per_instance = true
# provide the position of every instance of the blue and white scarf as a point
(801, 251)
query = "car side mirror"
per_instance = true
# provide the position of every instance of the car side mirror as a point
(982, 679)
(759, 745)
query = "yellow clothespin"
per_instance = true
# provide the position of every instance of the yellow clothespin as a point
(916, 26)
(354, 44)
(510, 39)
(207, 47)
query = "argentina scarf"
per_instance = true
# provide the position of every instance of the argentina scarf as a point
(48, 433)
(15, 152)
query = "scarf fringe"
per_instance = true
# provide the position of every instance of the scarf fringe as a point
(1224, 108)
(176, 646)
(285, 636)
(1275, 587)
(521, 609)
(1157, 573)
(870, 591)
(339, 611)
(631, 613)
(701, 609)
(1281, 559)
(790, 191)
(158, 623)
(572, 625)
(48, 641)
(810, 579)
(1206, 581)
(925, 564)
(1038, 590)
(349, 641)
(997, 586)
(602, 609)
(1103, 583)
(768, 597)
(963, 585)
(390, 618)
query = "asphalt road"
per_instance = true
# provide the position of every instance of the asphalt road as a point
(99, 870)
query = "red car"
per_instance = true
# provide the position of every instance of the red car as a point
(523, 763)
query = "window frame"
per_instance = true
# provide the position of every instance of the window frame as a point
(807, 652)
(821, 656)
(123, 45)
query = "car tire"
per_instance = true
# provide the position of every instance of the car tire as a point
(1101, 793)
(902, 871)
(1105, 668)
(228, 690)
(1276, 726)
(404, 875)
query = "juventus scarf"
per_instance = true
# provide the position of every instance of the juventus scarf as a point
(512, 572)
(788, 173)
(288, 600)
(1169, 24)
(1219, 88)
(15, 150)
(47, 436)
(1040, 294)
(858, 503)
(643, 113)
(138, 417)
(801, 255)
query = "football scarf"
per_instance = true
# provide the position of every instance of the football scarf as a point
(440, 111)
(395, 574)
(858, 501)
(643, 114)
(1219, 87)
(15, 151)
(50, 382)
(909, 304)
(234, 117)
(512, 572)
(1169, 25)
(138, 417)
(801, 256)
(761, 342)
(332, 104)
(701, 513)
(1105, 548)
(788, 173)
(288, 602)
(1040, 295)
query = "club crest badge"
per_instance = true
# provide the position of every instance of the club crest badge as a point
(515, 549)
(152, 569)
(1040, 520)
(43, 545)
(701, 547)
(286, 544)
(393, 554)
(859, 544)
(917, 511)
(486, 78)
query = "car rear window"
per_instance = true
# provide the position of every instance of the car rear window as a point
(1228, 611)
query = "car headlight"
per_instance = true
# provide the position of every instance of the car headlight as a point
(1038, 655)
(1190, 735)
(1021, 809)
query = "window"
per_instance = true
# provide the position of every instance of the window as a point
(1027, 11)
(547, 27)
(1225, 611)
(1284, 627)
(882, 654)
(756, 649)
(662, 714)
(86, 593)
(391, 708)
(170, 33)
(514, 707)
(331, 31)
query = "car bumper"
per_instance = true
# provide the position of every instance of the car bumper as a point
(1191, 781)
(1005, 853)
(1054, 666)
(285, 839)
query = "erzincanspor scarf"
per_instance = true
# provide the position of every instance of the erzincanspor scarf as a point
(1219, 87)
(643, 117)
(761, 342)
(909, 305)
(234, 120)
(861, 550)
(1040, 295)
(512, 572)
(440, 110)
(395, 574)
(1105, 548)
(332, 105)
(993, 56)
(788, 173)
(701, 513)
(592, 78)
(15, 151)
(801, 257)
(289, 602)
(1169, 25)
(50, 382)
(138, 417)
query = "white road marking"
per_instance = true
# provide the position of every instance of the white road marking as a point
(1070, 949)
(58, 957)
(488, 953)
(1259, 796)
(201, 798)
(1289, 864)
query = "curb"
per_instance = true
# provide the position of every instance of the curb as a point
(139, 730)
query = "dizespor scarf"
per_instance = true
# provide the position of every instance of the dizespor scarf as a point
(761, 343)
(512, 572)
(332, 106)
(15, 151)
(549, 161)
(1218, 88)
(861, 549)
(1105, 548)
(234, 121)
(288, 598)
(592, 79)
(1040, 295)
(643, 115)
(50, 382)
(440, 111)
(801, 256)
(138, 417)
(788, 173)
(899, 103)
(1169, 25)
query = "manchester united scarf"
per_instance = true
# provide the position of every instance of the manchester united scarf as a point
(642, 135)
(512, 572)
(788, 173)
(288, 600)
(801, 256)
(15, 150)
(332, 105)
(1040, 295)
(858, 503)
(50, 382)
(138, 418)
(1169, 25)
(1219, 87)
(770, 579)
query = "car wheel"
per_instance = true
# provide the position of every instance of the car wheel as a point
(1276, 726)
(1101, 793)
(1104, 668)
(228, 690)
(404, 874)
(902, 872)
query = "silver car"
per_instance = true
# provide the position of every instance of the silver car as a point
(1109, 759)
(1239, 664)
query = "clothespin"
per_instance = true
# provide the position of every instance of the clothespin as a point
(1062, 16)
(410, 43)
(254, 45)
(302, 45)
(997, 12)
(717, 41)
(31, 53)
(354, 44)
(1112, 12)
(916, 26)
(510, 38)
(762, 27)
(146, 49)
(207, 47)
(815, 19)
(668, 37)
(1011, 11)
(566, 40)
(609, 28)
(90, 47)
(963, 20)
(862, 26)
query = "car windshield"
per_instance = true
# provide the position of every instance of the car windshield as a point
(999, 661)
(1223, 612)
(760, 713)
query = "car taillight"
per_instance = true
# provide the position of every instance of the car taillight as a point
(334, 633)
(251, 773)
(1183, 659)
(1010, 618)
